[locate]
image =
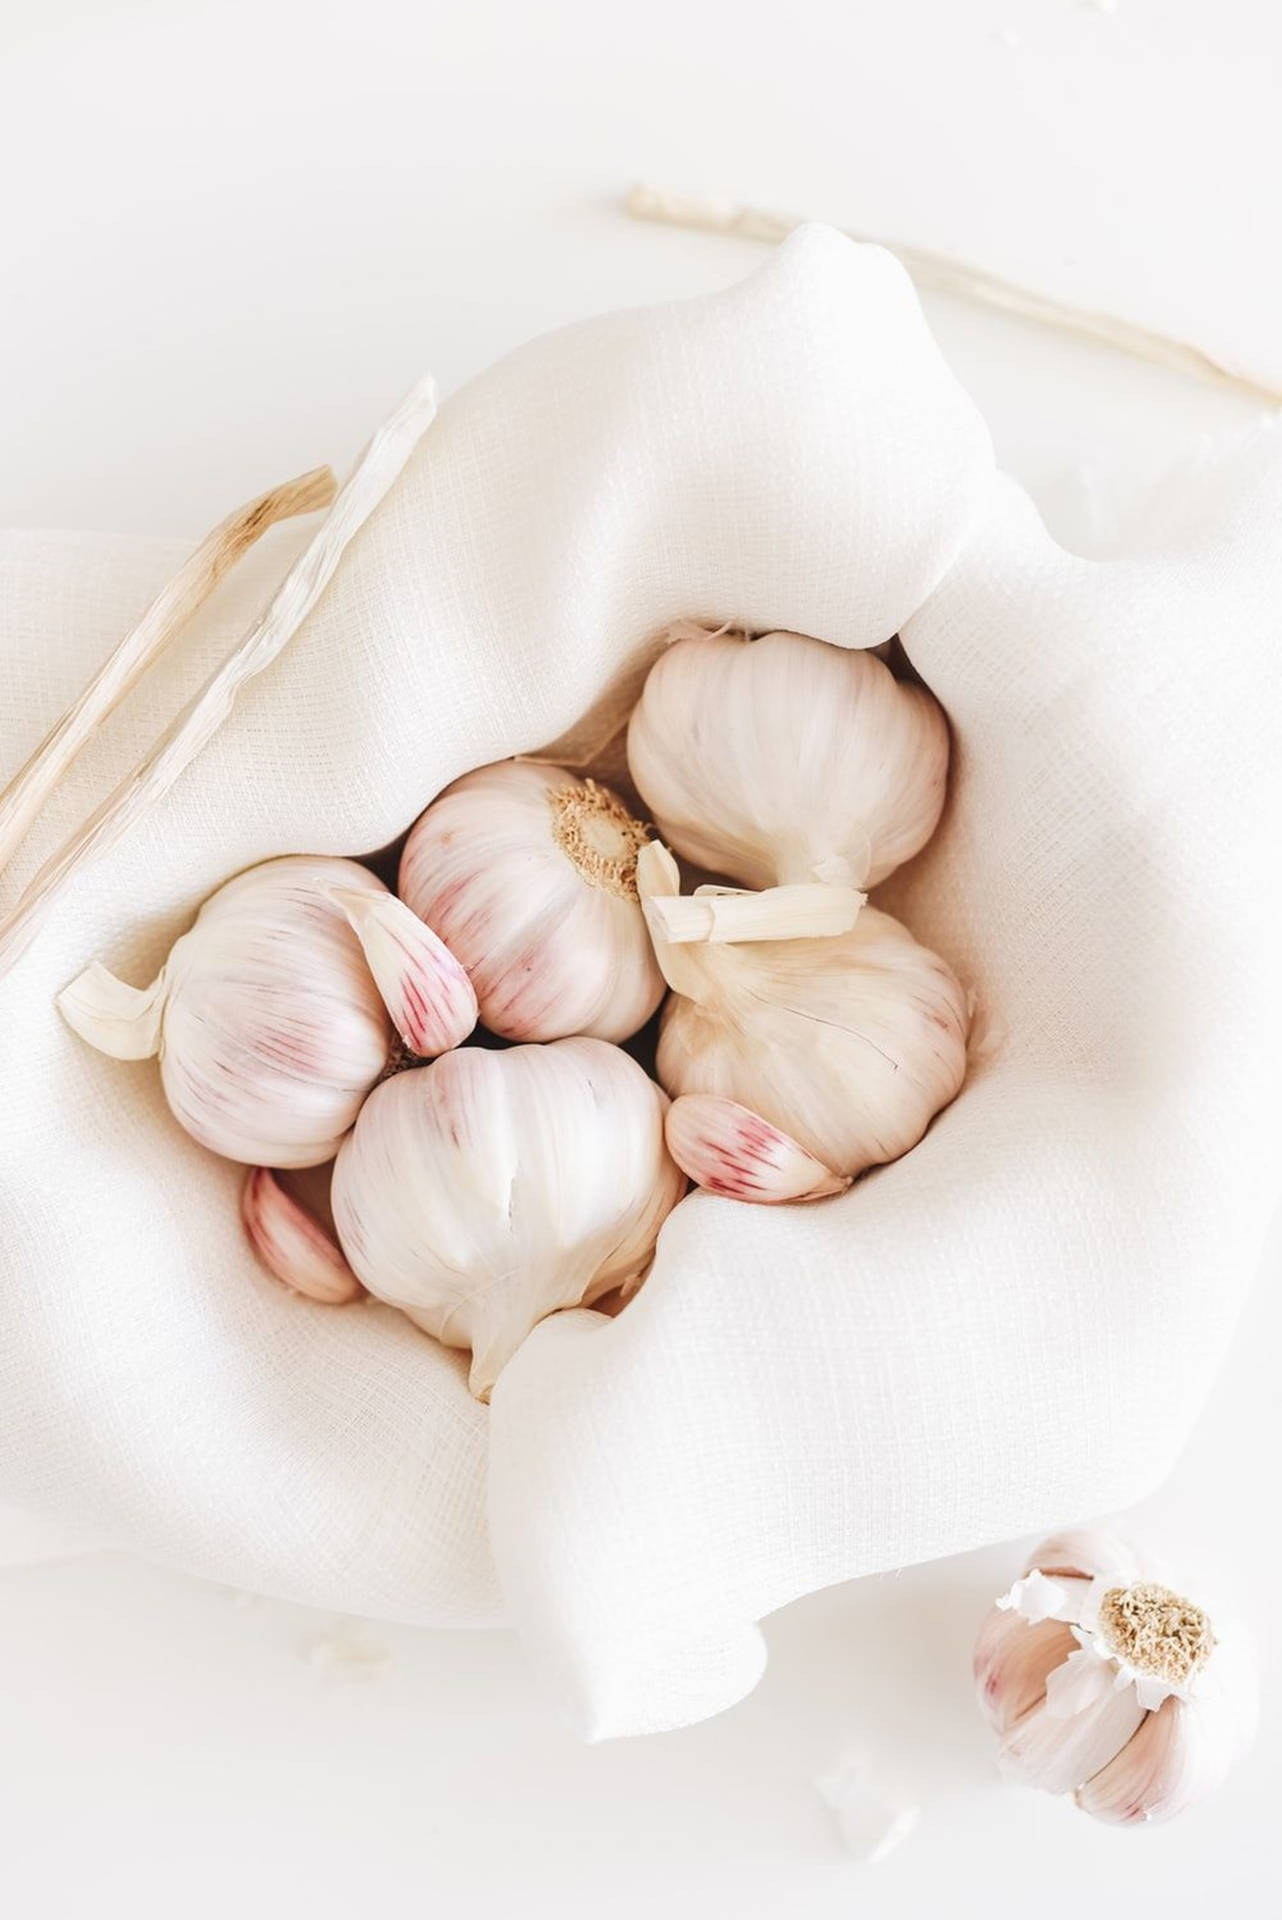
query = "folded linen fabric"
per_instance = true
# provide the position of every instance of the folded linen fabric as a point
(1012, 1327)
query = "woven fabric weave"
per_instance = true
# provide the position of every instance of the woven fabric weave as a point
(1012, 1327)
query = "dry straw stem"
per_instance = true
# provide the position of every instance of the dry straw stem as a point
(196, 725)
(937, 270)
(163, 621)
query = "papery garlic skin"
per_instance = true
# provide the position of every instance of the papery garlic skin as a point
(849, 1045)
(267, 1020)
(785, 760)
(490, 1189)
(1109, 1686)
(528, 875)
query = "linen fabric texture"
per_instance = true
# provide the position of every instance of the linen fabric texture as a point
(1013, 1327)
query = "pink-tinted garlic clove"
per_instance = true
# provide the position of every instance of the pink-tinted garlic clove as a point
(431, 1001)
(1058, 1749)
(293, 1246)
(1155, 1774)
(731, 1151)
(1013, 1661)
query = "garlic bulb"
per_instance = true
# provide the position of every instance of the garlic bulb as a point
(1106, 1684)
(489, 1189)
(273, 1016)
(844, 1047)
(785, 760)
(529, 876)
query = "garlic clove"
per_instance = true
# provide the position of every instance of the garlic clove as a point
(730, 1151)
(427, 993)
(1183, 1749)
(293, 1246)
(1084, 1719)
(1155, 1773)
(779, 913)
(1013, 1662)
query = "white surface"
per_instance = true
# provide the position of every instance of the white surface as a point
(240, 235)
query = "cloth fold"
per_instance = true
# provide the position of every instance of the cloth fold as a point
(1013, 1326)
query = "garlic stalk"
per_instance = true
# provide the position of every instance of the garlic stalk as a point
(274, 1015)
(785, 762)
(1106, 1684)
(528, 874)
(490, 1189)
(845, 1048)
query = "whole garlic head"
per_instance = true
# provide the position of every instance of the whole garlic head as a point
(491, 1188)
(785, 760)
(528, 874)
(1106, 1684)
(847, 1046)
(277, 1012)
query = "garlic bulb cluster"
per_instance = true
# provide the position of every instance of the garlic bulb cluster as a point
(1106, 1684)
(785, 760)
(279, 1009)
(807, 1036)
(528, 875)
(813, 1060)
(485, 1191)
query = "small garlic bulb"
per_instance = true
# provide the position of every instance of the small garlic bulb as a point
(275, 1014)
(784, 760)
(491, 1188)
(844, 1047)
(529, 877)
(1106, 1684)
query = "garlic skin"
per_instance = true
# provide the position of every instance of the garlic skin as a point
(267, 1020)
(784, 760)
(528, 875)
(490, 1189)
(848, 1045)
(1109, 1686)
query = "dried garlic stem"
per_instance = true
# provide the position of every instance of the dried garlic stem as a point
(196, 725)
(937, 270)
(810, 911)
(159, 627)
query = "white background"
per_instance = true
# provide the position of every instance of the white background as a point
(232, 235)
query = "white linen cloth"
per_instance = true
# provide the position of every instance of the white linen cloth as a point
(1012, 1327)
